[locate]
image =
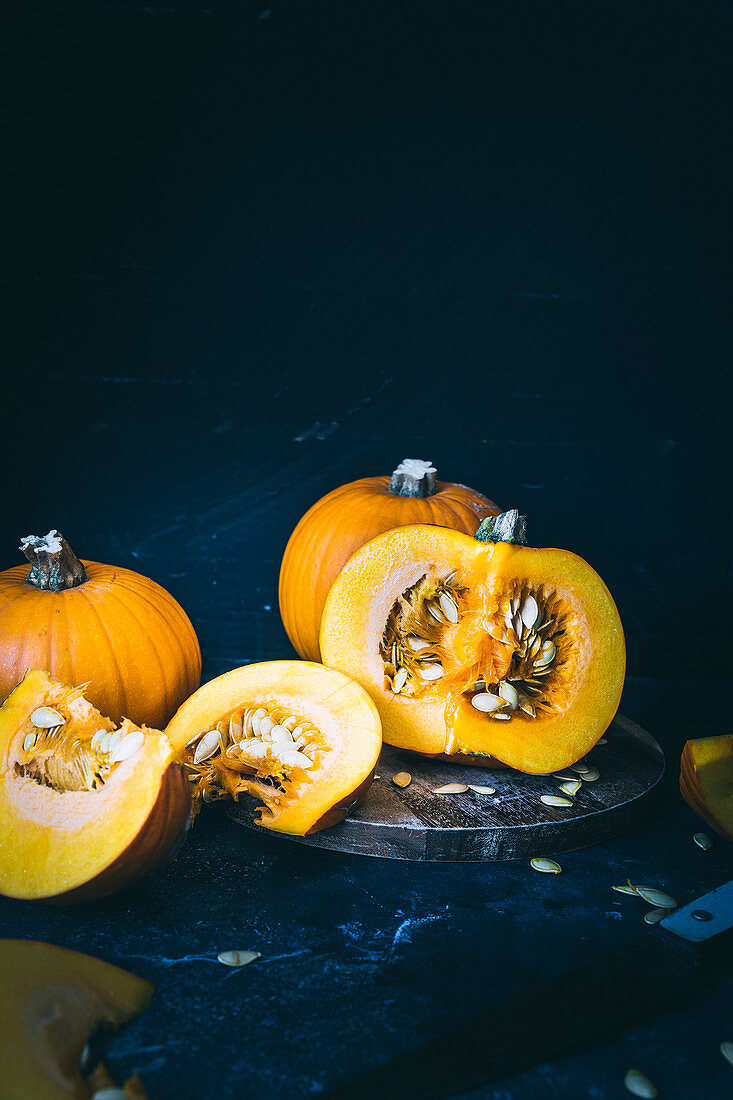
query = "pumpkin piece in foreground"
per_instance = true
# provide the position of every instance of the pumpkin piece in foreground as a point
(706, 781)
(53, 1002)
(110, 628)
(86, 807)
(343, 520)
(301, 738)
(480, 646)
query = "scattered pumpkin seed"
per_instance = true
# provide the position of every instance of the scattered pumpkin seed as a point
(110, 1094)
(238, 958)
(726, 1049)
(44, 718)
(603, 741)
(451, 788)
(656, 897)
(481, 790)
(571, 787)
(638, 1084)
(555, 800)
(562, 775)
(703, 841)
(628, 889)
(590, 775)
(581, 769)
(402, 779)
(655, 915)
(547, 866)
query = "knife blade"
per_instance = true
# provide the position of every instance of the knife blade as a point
(508, 1038)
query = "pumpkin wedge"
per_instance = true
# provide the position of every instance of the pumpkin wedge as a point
(54, 1001)
(479, 647)
(301, 738)
(706, 781)
(86, 807)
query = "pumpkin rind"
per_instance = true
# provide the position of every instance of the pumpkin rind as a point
(441, 720)
(706, 781)
(77, 845)
(117, 631)
(337, 706)
(53, 1001)
(342, 521)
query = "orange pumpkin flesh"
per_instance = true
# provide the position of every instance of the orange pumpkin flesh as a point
(345, 519)
(112, 629)
(302, 792)
(75, 823)
(559, 708)
(706, 781)
(53, 1001)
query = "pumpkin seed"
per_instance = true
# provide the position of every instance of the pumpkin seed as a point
(638, 1084)
(726, 1049)
(451, 788)
(703, 841)
(417, 644)
(656, 897)
(527, 707)
(238, 958)
(590, 775)
(402, 779)
(603, 741)
(208, 746)
(29, 741)
(655, 915)
(110, 1094)
(486, 702)
(628, 889)
(235, 729)
(571, 787)
(127, 747)
(561, 775)
(502, 715)
(190, 741)
(581, 769)
(481, 790)
(266, 725)
(555, 800)
(448, 607)
(508, 694)
(281, 736)
(530, 612)
(547, 866)
(45, 718)
(293, 758)
(399, 681)
(434, 612)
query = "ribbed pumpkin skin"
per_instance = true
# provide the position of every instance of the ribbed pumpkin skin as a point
(118, 631)
(341, 522)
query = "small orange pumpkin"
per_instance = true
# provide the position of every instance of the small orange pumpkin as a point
(87, 623)
(706, 780)
(346, 518)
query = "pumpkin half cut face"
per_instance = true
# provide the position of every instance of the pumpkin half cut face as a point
(302, 739)
(479, 647)
(87, 806)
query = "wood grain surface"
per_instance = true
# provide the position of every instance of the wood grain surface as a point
(415, 823)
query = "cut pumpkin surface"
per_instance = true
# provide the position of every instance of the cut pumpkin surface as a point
(86, 807)
(302, 739)
(472, 647)
(53, 1002)
(706, 781)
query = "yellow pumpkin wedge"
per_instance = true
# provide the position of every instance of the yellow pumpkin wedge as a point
(479, 647)
(301, 738)
(706, 780)
(86, 807)
(53, 1001)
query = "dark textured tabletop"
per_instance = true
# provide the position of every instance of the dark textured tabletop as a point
(257, 252)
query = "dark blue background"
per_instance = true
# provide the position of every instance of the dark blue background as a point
(257, 252)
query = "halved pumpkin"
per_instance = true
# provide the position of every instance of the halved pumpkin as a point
(706, 781)
(86, 808)
(53, 1002)
(478, 647)
(302, 738)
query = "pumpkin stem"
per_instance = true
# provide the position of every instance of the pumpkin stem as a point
(414, 478)
(508, 527)
(54, 565)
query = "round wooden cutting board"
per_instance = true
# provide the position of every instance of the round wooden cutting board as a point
(415, 823)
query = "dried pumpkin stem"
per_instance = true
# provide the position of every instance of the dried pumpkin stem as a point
(508, 527)
(414, 478)
(54, 565)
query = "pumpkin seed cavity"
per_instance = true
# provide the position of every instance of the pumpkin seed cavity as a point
(61, 754)
(529, 624)
(255, 750)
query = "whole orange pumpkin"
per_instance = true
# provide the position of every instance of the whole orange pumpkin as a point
(108, 627)
(342, 521)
